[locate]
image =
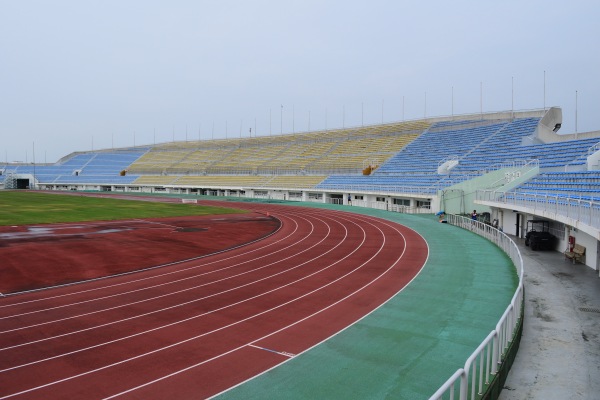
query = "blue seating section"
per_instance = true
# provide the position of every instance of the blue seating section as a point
(94, 168)
(416, 165)
(440, 141)
(584, 185)
(477, 144)
(503, 146)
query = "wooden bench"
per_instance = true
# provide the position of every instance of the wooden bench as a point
(577, 254)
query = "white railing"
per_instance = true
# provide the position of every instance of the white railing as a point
(584, 211)
(471, 381)
(593, 149)
(382, 205)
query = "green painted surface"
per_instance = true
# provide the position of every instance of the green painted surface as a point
(26, 207)
(410, 346)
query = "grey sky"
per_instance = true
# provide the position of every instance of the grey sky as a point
(79, 73)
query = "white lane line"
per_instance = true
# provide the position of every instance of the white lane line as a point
(147, 287)
(184, 320)
(155, 267)
(171, 282)
(155, 276)
(143, 222)
(237, 322)
(176, 305)
(284, 328)
(385, 222)
(282, 353)
(282, 215)
(197, 316)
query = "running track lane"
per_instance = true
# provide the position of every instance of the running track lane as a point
(195, 329)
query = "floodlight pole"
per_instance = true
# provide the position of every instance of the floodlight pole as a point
(576, 114)
(452, 102)
(544, 90)
(293, 118)
(362, 114)
(512, 97)
(481, 99)
(33, 155)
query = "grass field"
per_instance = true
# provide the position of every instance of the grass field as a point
(24, 208)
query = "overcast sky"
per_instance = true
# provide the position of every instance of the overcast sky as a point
(77, 75)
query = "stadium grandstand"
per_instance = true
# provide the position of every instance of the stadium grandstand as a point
(510, 166)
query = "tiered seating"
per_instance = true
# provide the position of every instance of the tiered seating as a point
(360, 153)
(94, 167)
(414, 168)
(506, 146)
(439, 142)
(78, 160)
(156, 180)
(297, 157)
(243, 181)
(109, 163)
(197, 161)
(408, 155)
(43, 173)
(157, 161)
(95, 179)
(331, 150)
(294, 181)
(246, 159)
(581, 184)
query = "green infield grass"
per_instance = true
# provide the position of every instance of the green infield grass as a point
(24, 208)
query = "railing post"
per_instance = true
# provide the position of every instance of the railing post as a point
(464, 382)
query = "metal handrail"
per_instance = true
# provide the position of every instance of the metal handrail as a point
(482, 365)
(585, 211)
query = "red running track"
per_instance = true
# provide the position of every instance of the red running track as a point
(195, 329)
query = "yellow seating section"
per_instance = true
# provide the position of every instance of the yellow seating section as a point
(319, 152)
(294, 181)
(156, 180)
(222, 180)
